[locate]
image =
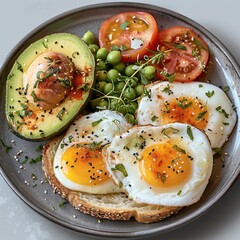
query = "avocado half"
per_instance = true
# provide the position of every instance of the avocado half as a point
(33, 123)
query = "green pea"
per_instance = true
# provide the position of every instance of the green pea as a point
(93, 47)
(134, 105)
(129, 71)
(100, 86)
(101, 65)
(108, 88)
(139, 89)
(89, 37)
(119, 86)
(149, 72)
(120, 67)
(102, 53)
(103, 104)
(123, 109)
(130, 118)
(129, 93)
(112, 75)
(132, 82)
(102, 76)
(114, 57)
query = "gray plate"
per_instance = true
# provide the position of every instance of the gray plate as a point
(224, 71)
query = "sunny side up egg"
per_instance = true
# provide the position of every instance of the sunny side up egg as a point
(199, 104)
(78, 162)
(166, 165)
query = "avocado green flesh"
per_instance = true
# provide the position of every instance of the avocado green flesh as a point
(31, 122)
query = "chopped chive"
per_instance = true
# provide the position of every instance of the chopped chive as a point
(200, 115)
(120, 167)
(209, 94)
(96, 122)
(189, 132)
(176, 147)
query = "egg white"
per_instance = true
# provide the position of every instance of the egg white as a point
(133, 182)
(218, 127)
(99, 127)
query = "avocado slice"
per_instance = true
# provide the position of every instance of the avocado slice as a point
(35, 123)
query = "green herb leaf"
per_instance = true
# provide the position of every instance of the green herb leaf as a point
(124, 25)
(39, 148)
(162, 176)
(209, 94)
(19, 66)
(169, 130)
(62, 203)
(61, 113)
(168, 76)
(37, 159)
(221, 110)
(167, 90)
(176, 45)
(176, 147)
(225, 88)
(200, 85)
(189, 132)
(183, 104)
(44, 44)
(7, 148)
(147, 92)
(120, 167)
(95, 145)
(179, 192)
(35, 98)
(217, 150)
(200, 115)
(120, 184)
(96, 122)
(154, 118)
(199, 43)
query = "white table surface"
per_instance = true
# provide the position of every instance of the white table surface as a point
(17, 18)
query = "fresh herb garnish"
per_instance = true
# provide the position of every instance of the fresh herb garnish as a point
(62, 203)
(183, 103)
(176, 147)
(162, 176)
(19, 66)
(97, 122)
(221, 110)
(124, 25)
(7, 148)
(61, 113)
(169, 130)
(209, 94)
(120, 167)
(177, 45)
(189, 132)
(154, 118)
(37, 159)
(179, 192)
(39, 148)
(200, 115)
(167, 90)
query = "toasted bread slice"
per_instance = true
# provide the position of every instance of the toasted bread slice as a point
(116, 206)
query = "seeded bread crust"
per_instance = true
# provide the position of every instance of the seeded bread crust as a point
(115, 206)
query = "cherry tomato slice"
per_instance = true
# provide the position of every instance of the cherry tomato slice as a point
(186, 54)
(133, 33)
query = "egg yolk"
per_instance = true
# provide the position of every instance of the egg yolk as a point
(165, 165)
(84, 165)
(185, 110)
